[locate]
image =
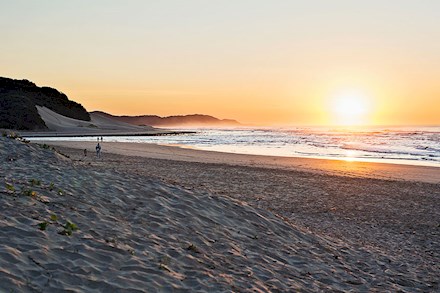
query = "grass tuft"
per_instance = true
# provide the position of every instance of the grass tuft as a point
(29, 192)
(10, 187)
(69, 228)
(43, 225)
(34, 182)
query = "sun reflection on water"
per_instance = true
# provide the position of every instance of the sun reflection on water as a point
(350, 156)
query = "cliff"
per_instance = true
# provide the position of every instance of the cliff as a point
(18, 101)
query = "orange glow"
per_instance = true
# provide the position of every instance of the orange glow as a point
(277, 64)
(350, 108)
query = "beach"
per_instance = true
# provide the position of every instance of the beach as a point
(220, 146)
(159, 218)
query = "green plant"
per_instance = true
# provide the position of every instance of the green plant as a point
(43, 225)
(69, 228)
(34, 182)
(51, 186)
(10, 187)
(53, 220)
(29, 192)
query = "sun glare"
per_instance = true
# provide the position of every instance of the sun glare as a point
(350, 108)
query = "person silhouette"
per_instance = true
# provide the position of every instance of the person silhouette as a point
(98, 150)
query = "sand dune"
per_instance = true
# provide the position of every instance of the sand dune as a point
(57, 122)
(99, 125)
(137, 233)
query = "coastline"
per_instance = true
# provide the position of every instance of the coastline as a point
(156, 132)
(321, 166)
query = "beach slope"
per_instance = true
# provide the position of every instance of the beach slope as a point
(69, 225)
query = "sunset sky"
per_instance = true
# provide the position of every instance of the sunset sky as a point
(266, 62)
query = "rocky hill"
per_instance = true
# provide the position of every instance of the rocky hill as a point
(18, 99)
(173, 121)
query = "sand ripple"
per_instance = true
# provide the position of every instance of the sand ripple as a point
(141, 235)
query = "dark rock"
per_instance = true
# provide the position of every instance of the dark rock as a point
(18, 99)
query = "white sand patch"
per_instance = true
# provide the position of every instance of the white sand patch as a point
(57, 122)
(99, 124)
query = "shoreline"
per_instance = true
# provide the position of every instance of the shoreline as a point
(410, 159)
(347, 159)
(103, 134)
(347, 168)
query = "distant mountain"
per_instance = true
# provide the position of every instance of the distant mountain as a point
(18, 99)
(173, 121)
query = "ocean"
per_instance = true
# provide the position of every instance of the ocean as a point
(401, 145)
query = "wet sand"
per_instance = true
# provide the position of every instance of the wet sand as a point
(320, 166)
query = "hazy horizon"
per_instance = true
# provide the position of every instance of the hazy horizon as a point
(296, 63)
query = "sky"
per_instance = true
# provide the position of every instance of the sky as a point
(311, 62)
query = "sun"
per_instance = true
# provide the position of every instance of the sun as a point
(350, 107)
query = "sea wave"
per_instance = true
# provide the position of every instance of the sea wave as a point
(399, 144)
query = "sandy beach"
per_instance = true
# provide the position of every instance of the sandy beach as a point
(320, 166)
(220, 146)
(154, 218)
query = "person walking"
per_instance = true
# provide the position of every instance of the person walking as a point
(98, 150)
